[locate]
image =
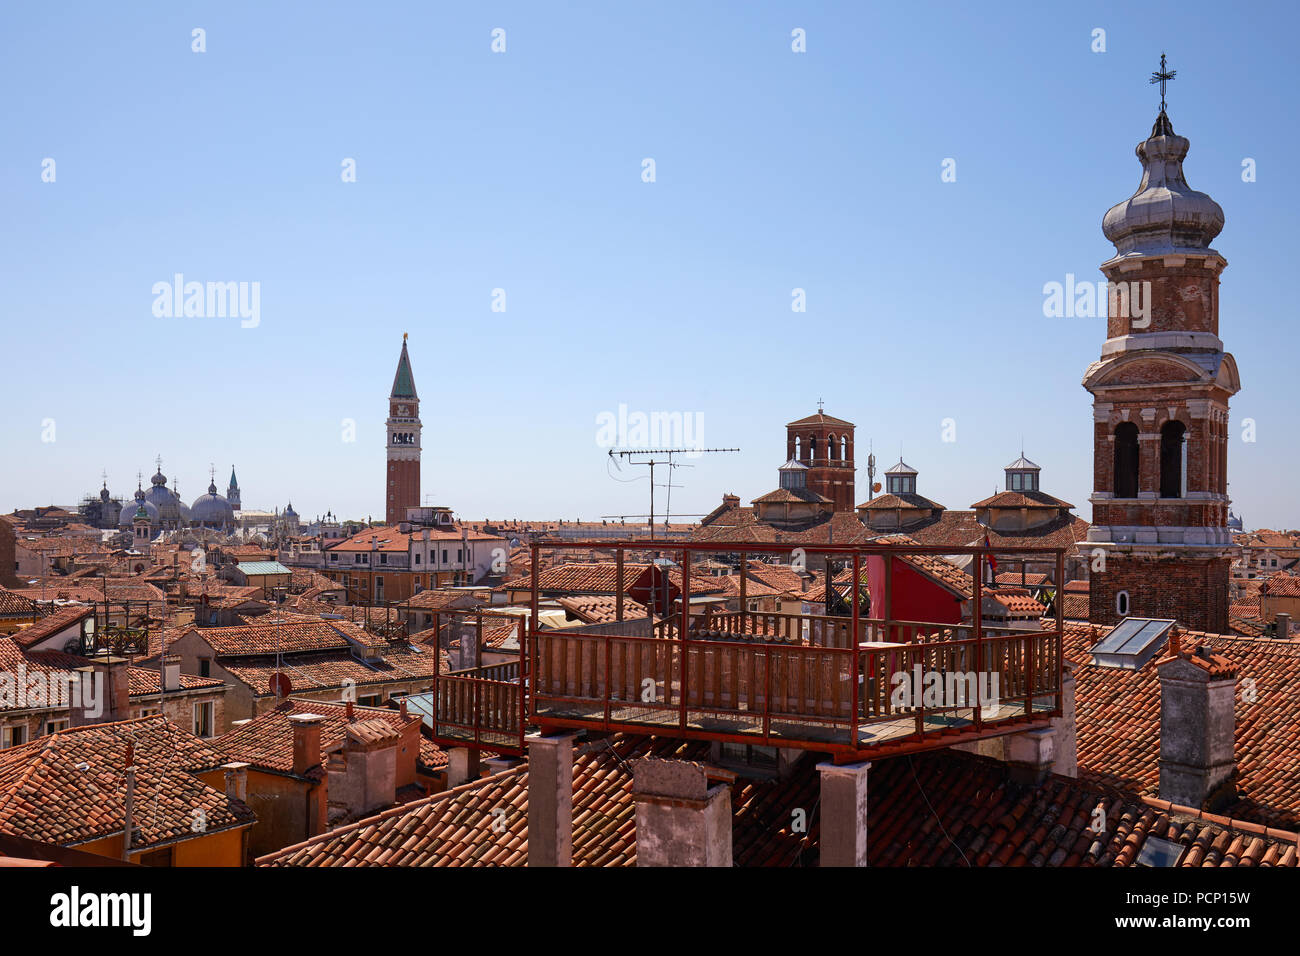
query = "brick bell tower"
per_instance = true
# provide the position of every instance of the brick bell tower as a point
(1160, 542)
(825, 445)
(403, 488)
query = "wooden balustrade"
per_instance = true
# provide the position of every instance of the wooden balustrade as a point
(478, 710)
(817, 630)
(777, 689)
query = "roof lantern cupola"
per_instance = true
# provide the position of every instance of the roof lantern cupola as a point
(793, 474)
(1022, 475)
(901, 479)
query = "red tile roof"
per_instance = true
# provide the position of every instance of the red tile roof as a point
(69, 787)
(286, 637)
(61, 619)
(600, 609)
(266, 742)
(1118, 720)
(937, 809)
(1281, 585)
(600, 578)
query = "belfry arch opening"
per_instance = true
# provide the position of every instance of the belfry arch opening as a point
(1173, 464)
(1126, 460)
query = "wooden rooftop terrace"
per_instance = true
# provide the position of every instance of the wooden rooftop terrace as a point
(856, 685)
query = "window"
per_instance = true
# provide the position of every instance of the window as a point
(1126, 460)
(14, 735)
(1172, 453)
(417, 557)
(334, 557)
(383, 559)
(460, 557)
(205, 667)
(203, 719)
(1015, 481)
(832, 448)
(444, 555)
(54, 726)
(1121, 603)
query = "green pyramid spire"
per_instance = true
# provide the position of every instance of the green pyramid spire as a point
(404, 381)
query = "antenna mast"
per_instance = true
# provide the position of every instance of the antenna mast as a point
(667, 459)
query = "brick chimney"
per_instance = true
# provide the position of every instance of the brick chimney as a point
(1197, 722)
(101, 694)
(550, 799)
(236, 780)
(1283, 630)
(306, 741)
(680, 819)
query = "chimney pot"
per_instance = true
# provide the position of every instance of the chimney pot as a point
(347, 708)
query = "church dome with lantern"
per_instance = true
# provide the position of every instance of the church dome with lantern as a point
(212, 510)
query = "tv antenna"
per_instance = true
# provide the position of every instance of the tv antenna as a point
(665, 457)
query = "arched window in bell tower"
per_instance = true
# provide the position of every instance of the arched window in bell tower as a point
(812, 446)
(832, 448)
(1171, 459)
(844, 448)
(1126, 460)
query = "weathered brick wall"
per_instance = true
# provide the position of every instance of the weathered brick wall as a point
(1192, 591)
(1183, 298)
(403, 490)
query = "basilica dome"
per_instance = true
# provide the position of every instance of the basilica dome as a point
(127, 516)
(212, 510)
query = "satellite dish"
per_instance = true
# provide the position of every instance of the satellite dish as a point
(875, 487)
(280, 685)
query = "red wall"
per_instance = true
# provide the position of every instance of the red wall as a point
(915, 596)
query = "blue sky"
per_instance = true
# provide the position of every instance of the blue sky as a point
(522, 171)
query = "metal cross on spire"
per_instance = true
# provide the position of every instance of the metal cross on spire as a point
(1163, 76)
(820, 405)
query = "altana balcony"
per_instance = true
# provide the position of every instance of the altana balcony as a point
(921, 654)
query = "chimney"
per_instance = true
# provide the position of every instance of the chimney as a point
(306, 741)
(101, 693)
(680, 819)
(236, 780)
(731, 501)
(550, 799)
(347, 710)
(1283, 630)
(1197, 722)
(172, 672)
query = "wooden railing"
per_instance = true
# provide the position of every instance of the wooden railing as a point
(482, 707)
(509, 670)
(477, 711)
(817, 630)
(796, 693)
